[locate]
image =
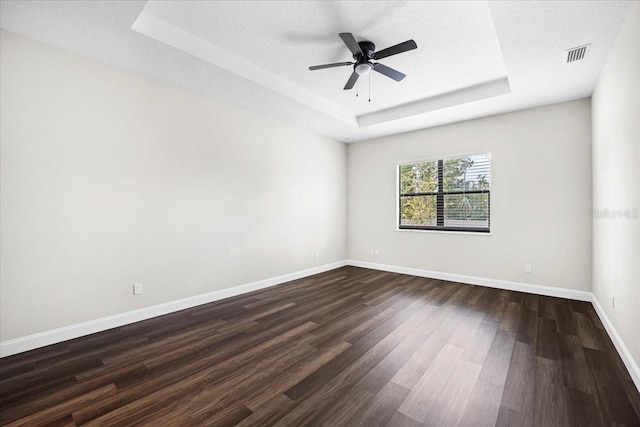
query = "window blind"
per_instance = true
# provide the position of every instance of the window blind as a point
(448, 194)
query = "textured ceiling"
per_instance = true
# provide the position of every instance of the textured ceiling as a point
(473, 59)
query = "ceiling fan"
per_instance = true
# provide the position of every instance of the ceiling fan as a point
(364, 53)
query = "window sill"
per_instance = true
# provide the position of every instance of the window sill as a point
(443, 232)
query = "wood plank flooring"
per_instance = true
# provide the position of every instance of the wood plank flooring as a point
(350, 347)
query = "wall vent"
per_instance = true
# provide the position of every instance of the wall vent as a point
(578, 53)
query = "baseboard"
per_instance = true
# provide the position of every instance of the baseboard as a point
(30, 342)
(482, 281)
(623, 351)
(19, 345)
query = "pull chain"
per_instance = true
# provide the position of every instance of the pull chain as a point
(369, 87)
(357, 86)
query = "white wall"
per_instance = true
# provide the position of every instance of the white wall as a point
(616, 183)
(110, 178)
(540, 198)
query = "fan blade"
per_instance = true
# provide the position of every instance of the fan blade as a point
(351, 43)
(394, 50)
(352, 81)
(335, 64)
(389, 72)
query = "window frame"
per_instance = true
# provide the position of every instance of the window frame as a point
(440, 195)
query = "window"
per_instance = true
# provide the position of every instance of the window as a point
(451, 194)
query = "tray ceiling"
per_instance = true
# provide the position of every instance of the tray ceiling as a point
(473, 59)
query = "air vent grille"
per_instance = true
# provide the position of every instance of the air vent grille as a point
(577, 53)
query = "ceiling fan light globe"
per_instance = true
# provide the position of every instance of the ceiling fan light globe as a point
(363, 69)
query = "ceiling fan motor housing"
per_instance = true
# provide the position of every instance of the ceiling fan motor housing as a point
(363, 66)
(368, 50)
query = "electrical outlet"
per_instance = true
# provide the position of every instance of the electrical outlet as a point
(372, 251)
(317, 254)
(137, 288)
(613, 301)
(527, 268)
(375, 252)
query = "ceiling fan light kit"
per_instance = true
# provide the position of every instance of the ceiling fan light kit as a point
(363, 68)
(363, 53)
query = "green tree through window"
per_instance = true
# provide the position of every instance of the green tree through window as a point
(451, 194)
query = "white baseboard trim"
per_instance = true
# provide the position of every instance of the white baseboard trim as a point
(623, 351)
(19, 345)
(482, 281)
(30, 342)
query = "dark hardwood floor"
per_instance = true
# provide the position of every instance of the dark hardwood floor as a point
(351, 347)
